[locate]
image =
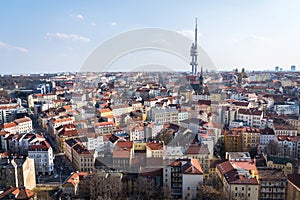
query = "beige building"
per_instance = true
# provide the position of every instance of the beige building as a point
(121, 109)
(250, 138)
(17, 172)
(105, 127)
(81, 158)
(293, 187)
(280, 163)
(24, 124)
(272, 184)
(40, 97)
(285, 130)
(201, 153)
(155, 149)
(237, 182)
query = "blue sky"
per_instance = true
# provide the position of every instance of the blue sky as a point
(52, 36)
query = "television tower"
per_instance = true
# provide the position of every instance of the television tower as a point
(194, 52)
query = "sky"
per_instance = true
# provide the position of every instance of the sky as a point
(56, 36)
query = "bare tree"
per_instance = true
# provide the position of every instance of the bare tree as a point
(105, 185)
(207, 192)
(272, 148)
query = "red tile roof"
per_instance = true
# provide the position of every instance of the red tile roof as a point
(125, 144)
(197, 149)
(249, 111)
(121, 153)
(8, 125)
(44, 146)
(155, 146)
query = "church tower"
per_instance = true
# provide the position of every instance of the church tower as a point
(200, 88)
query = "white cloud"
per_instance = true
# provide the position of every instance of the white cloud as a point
(14, 48)
(63, 36)
(93, 24)
(114, 24)
(77, 16)
(189, 33)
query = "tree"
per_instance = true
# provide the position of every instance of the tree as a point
(106, 185)
(207, 192)
(117, 185)
(165, 136)
(272, 148)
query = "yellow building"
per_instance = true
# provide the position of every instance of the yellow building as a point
(250, 138)
(105, 112)
(280, 163)
(155, 149)
(241, 139)
(233, 140)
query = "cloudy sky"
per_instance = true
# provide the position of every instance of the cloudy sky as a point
(55, 36)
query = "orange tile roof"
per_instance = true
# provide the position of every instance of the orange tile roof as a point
(23, 120)
(3, 133)
(9, 125)
(195, 167)
(67, 107)
(247, 165)
(104, 110)
(24, 194)
(125, 144)
(73, 179)
(5, 107)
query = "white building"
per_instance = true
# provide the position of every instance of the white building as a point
(95, 142)
(163, 115)
(285, 130)
(182, 178)
(43, 156)
(137, 132)
(266, 136)
(288, 108)
(60, 121)
(289, 146)
(121, 109)
(183, 116)
(175, 152)
(251, 117)
(24, 124)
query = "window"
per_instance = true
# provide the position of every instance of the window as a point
(242, 188)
